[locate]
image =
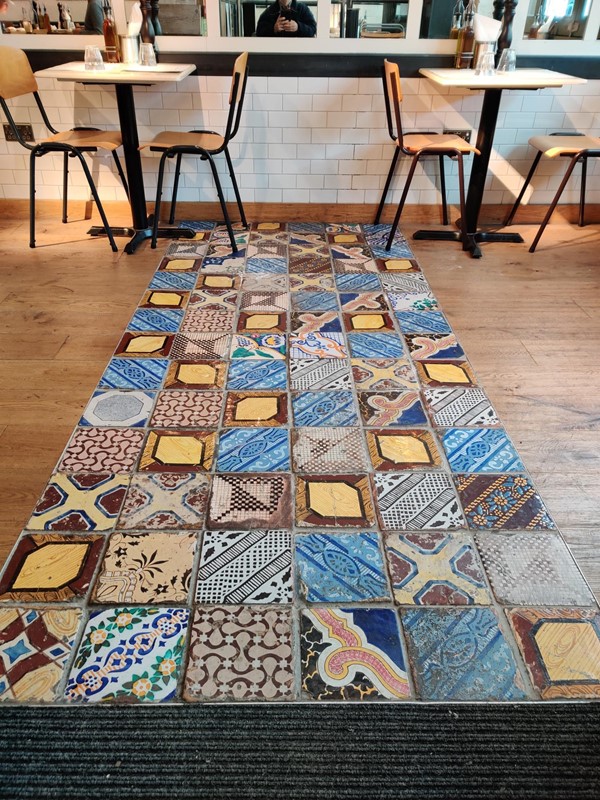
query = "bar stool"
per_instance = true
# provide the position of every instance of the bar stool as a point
(204, 144)
(419, 145)
(18, 80)
(577, 147)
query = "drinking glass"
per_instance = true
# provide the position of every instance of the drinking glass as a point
(93, 57)
(147, 55)
(508, 60)
(485, 64)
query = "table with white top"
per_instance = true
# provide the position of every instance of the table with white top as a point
(124, 77)
(492, 87)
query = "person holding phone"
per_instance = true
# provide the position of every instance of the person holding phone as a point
(287, 18)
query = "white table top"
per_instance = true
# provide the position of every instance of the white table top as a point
(519, 79)
(118, 73)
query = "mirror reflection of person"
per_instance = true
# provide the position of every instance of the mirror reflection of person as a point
(94, 17)
(287, 18)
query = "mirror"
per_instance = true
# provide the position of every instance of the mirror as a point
(557, 19)
(438, 15)
(175, 17)
(281, 20)
(368, 19)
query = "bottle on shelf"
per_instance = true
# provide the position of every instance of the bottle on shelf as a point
(147, 29)
(537, 23)
(458, 18)
(109, 30)
(45, 20)
(35, 15)
(465, 45)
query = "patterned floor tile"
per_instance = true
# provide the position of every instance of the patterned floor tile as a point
(375, 345)
(35, 646)
(251, 322)
(324, 409)
(146, 568)
(240, 653)
(318, 345)
(50, 567)
(172, 280)
(264, 301)
(311, 281)
(80, 502)
(460, 407)
(257, 282)
(433, 346)
(149, 319)
(172, 264)
(347, 238)
(341, 568)
(351, 266)
(250, 501)
(165, 500)
(423, 322)
(532, 569)
(176, 451)
(377, 236)
(391, 409)
(249, 409)
(264, 263)
(220, 282)
(190, 249)
(217, 300)
(248, 373)
(253, 450)
(403, 449)
(357, 283)
(102, 450)
(142, 345)
(363, 301)
(328, 450)
(198, 346)
(460, 654)
(126, 409)
(186, 408)
(314, 300)
(129, 655)
(435, 569)
(414, 301)
(139, 373)
(352, 654)
(267, 345)
(220, 258)
(196, 375)
(245, 567)
(164, 299)
(561, 649)
(445, 373)
(199, 319)
(337, 501)
(417, 500)
(502, 502)
(401, 282)
(480, 450)
(320, 322)
(320, 374)
(364, 322)
(383, 374)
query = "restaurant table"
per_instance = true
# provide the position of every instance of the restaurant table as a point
(492, 87)
(124, 77)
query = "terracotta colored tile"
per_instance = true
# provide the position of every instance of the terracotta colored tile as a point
(187, 408)
(102, 450)
(383, 374)
(165, 500)
(328, 450)
(502, 502)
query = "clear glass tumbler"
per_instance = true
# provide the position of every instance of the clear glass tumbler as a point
(486, 65)
(508, 60)
(147, 55)
(93, 58)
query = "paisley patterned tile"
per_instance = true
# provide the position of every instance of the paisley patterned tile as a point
(253, 450)
(435, 569)
(324, 409)
(318, 345)
(178, 451)
(416, 501)
(240, 653)
(118, 408)
(165, 501)
(337, 501)
(102, 450)
(460, 407)
(245, 567)
(352, 654)
(341, 568)
(328, 450)
(200, 346)
(250, 373)
(391, 409)
(383, 374)
(502, 502)
(129, 655)
(267, 345)
(403, 449)
(363, 301)
(445, 373)
(250, 501)
(249, 409)
(460, 654)
(480, 450)
(314, 300)
(139, 373)
(319, 374)
(196, 375)
(375, 345)
(186, 408)
(320, 322)
(436, 346)
(262, 264)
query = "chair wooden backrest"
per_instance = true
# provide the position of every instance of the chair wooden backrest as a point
(392, 91)
(16, 76)
(236, 95)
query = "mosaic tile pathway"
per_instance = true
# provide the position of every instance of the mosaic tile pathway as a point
(288, 485)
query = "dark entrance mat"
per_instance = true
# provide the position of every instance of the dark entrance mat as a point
(279, 752)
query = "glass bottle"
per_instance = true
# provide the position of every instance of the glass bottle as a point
(147, 29)
(537, 23)
(458, 16)
(45, 22)
(111, 40)
(465, 46)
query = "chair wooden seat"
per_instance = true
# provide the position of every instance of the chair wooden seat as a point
(552, 146)
(203, 140)
(418, 142)
(84, 138)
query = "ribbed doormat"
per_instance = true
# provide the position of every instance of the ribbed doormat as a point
(283, 752)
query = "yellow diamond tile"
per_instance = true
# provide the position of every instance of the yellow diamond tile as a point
(570, 651)
(268, 226)
(345, 237)
(145, 344)
(256, 408)
(164, 299)
(398, 264)
(218, 281)
(262, 321)
(446, 372)
(51, 566)
(332, 499)
(368, 322)
(179, 450)
(196, 373)
(403, 449)
(179, 264)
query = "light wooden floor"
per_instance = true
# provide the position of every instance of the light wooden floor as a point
(530, 325)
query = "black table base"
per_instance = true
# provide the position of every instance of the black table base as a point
(473, 239)
(139, 236)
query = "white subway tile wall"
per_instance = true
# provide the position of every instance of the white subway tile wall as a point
(318, 140)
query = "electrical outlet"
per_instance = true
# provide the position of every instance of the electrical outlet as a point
(25, 130)
(464, 134)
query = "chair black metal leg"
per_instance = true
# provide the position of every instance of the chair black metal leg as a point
(409, 178)
(235, 188)
(463, 207)
(387, 185)
(65, 185)
(157, 203)
(513, 210)
(32, 158)
(443, 192)
(175, 188)
(555, 200)
(213, 167)
(96, 197)
(582, 193)
(121, 173)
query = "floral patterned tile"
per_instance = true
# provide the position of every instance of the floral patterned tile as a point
(199, 346)
(445, 373)
(357, 283)
(341, 568)
(200, 319)
(328, 450)
(249, 409)
(249, 373)
(433, 346)
(314, 300)
(417, 500)
(335, 501)
(460, 654)
(139, 373)
(80, 502)
(480, 450)
(435, 569)
(383, 374)
(375, 345)
(144, 345)
(178, 451)
(245, 567)
(102, 450)
(421, 299)
(320, 374)
(316, 322)
(164, 299)
(363, 301)
(146, 568)
(35, 646)
(129, 655)
(196, 375)
(318, 345)
(250, 501)
(149, 319)
(460, 407)
(391, 409)
(352, 654)
(187, 408)
(240, 653)
(502, 502)
(324, 409)
(267, 345)
(165, 501)
(403, 449)
(561, 649)
(257, 322)
(118, 408)
(253, 450)
(423, 322)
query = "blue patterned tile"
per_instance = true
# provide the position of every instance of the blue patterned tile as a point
(170, 280)
(149, 319)
(254, 450)
(314, 301)
(423, 322)
(375, 345)
(276, 266)
(477, 450)
(460, 654)
(377, 236)
(197, 225)
(250, 373)
(318, 345)
(324, 409)
(306, 227)
(357, 282)
(139, 373)
(341, 568)
(437, 346)
(316, 322)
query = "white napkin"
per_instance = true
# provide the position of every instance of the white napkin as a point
(486, 29)
(135, 20)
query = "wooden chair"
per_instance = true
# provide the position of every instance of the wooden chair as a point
(18, 80)
(419, 145)
(576, 147)
(206, 145)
